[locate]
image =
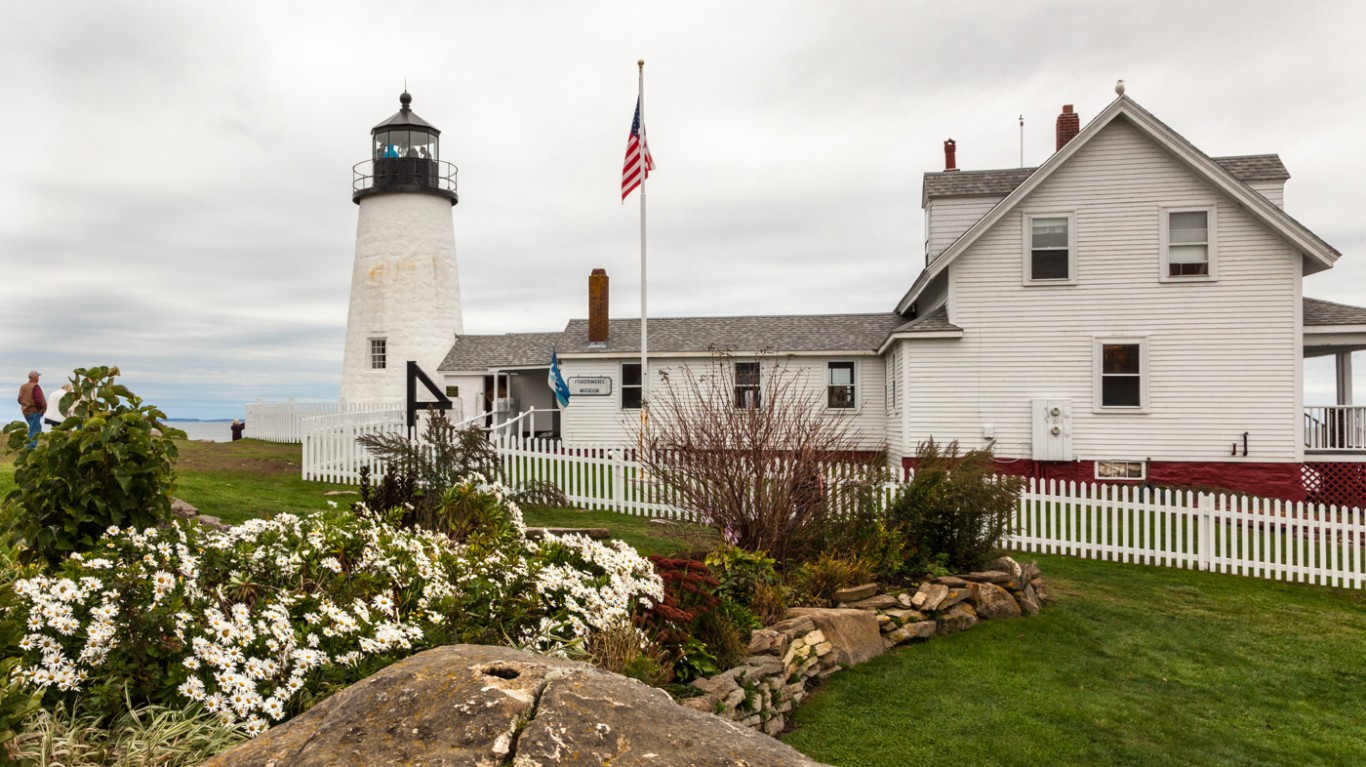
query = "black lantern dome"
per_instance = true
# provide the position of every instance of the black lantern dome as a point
(405, 157)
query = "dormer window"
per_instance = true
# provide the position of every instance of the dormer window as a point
(1050, 249)
(1188, 244)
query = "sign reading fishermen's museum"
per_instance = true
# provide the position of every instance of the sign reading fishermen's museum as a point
(590, 386)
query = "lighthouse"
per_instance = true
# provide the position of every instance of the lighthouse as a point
(405, 288)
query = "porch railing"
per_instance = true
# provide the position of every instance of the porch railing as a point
(1335, 428)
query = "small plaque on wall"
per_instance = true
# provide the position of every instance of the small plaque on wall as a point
(589, 386)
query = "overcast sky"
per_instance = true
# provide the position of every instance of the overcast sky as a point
(177, 176)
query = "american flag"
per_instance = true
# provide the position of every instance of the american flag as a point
(639, 163)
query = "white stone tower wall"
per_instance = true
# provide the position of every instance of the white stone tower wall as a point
(405, 288)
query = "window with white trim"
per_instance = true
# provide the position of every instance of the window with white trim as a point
(839, 385)
(630, 386)
(1050, 256)
(1122, 470)
(1121, 374)
(378, 353)
(1188, 244)
(747, 384)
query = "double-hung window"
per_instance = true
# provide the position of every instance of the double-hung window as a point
(1050, 256)
(630, 386)
(378, 353)
(1121, 375)
(839, 385)
(747, 384)
(1188, 244)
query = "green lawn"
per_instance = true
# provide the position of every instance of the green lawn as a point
(234, 481)
(1130, 665)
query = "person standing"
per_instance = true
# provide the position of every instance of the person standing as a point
(34, 404)
(54, 415)
(237, 427)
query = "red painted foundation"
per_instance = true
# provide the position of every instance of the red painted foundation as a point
(1268, 480)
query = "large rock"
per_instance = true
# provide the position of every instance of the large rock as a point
(960, 617)
(995, 602)
(475, 705)
(853, 634)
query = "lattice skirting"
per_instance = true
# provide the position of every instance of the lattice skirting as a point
(1343, 484)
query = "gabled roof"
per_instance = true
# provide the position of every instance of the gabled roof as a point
(782, 334)
(1320, 312)
(1319, 255)
(481, 353)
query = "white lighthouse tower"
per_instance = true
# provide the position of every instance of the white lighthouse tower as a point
(405, 289)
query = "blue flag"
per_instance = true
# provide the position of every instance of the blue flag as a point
(556, 381)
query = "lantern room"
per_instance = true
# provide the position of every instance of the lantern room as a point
(405, 157)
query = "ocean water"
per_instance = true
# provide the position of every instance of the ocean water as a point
(212, 431)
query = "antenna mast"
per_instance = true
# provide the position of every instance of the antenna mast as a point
(1021, 141)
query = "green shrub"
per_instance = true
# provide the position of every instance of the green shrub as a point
(419, 471)
(749, 579)
(815, 583)
(109, 463)
(955, 510)
(704, 633)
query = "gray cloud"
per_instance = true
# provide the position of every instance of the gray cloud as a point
(177, 185)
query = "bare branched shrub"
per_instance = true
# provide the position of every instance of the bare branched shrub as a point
(759, 460)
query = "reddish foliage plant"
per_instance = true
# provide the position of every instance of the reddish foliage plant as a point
(689, 593)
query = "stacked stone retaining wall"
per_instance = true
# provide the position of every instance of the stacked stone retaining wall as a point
(786, 660)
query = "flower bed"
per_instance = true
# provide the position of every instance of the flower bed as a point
(257, 622)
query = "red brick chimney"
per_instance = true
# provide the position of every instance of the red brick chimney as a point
(1069, 125)
(597, 307)
(950, 160)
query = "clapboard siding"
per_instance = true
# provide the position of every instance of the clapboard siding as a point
(596, 420)
(948, 217)
(1223, 356)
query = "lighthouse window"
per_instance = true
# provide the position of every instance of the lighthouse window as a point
(378, 353)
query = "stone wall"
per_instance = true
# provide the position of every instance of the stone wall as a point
(790, 657)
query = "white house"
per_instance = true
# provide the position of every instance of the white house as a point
(1129, 310)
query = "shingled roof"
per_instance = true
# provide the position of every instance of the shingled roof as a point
(999, 183)
(803, 333)
(471, 353)
(1320, 312)
(936, 321)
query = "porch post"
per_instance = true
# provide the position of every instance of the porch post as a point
(1344, 378)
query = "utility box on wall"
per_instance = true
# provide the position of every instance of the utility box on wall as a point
(1052, 429)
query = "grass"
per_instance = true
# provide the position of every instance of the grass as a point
(1130, 665)
(234, 481)
(646, 536)
(237, 481)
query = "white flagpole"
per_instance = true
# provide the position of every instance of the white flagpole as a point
(644, 348)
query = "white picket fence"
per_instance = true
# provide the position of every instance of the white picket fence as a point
(1258, 537)
(332, 454)
(283, 421)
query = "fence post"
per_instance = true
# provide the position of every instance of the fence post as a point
(1205, 530)
(618, 479)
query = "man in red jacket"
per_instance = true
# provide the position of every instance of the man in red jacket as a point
(34, 404)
